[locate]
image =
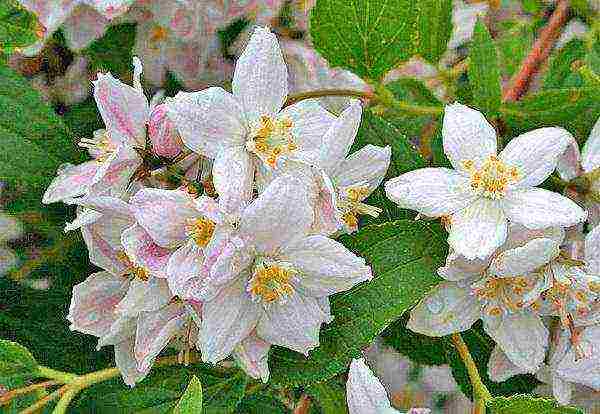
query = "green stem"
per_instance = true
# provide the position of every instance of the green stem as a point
(480, 392)
(64, 377)
(402, 106)
(65, 400)
(292, 99)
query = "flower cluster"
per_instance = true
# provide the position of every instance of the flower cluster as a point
(518, 252)
(211, 216)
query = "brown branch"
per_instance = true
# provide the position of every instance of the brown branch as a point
(303, 405)
(539, 53)
(6, 398)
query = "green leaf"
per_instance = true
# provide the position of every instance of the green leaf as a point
(434, 28)
(17, 27)
(404, 256)
(113, 52)
(481, 345)
(561, 71)
(418, 348)
(520, 404)
(225, 395)
(484, 72)
(376, 130)
(16, 361)
(262, 403)
(191, 400)
(330, 396)
(513, 46)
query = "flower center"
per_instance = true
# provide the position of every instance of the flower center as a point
(351, 205)
(100, 146)
(493, 178)
(271, 282)
(502, 294)
(134, 270)
(201, 230)
(271, 139)
(158, 34)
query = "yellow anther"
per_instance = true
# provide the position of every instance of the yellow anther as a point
(271, 139)
(350, 219)
(158, 33)
(201, 230)
(492, 178)
(271, 282)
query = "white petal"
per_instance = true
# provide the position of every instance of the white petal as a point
(525, 259)
(260, 77)
(447, 309)
(252, 355)
(338, 139)
(125, 361)
(562, 390)
(142, 251)
(591, 150)
(592, 251)
(233, 176)
(458, 268)
(185, 271)
(523, 338)
(536, 153)
(164, 214)
(144, 296)
(309, 123)
(105, 204)
(155, 330)
(93, 303)
(478, 230)
(207, 120)
(71, 182)
(83, 27)
(294, 324)
(366, 166)
(281, 213)
(569, 163)
(121, 330)
(326, 266)
(500, 368)
(227, 320)
(431, 191)
(364, 392)
(583, 370)
(115, 173)
(467, 136)
(537, 208)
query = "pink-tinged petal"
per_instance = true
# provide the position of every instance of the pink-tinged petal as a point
(104, 204)
(110, 8)
(144, 252)
(281, 213)
(467, 136)
(366, 166)
(122, 329)
(124, 110)
(536, 154)
(71, 182)
(144, 296)
(478, 230)
(227, 320)
(186, 272)
(583, 370)
(569, 163)
(338, 139)
(152, 51)
(294, 324)
(252, 355)
(447, 309)
(325, 266)
(536, 208)
(309, 123)
(84, 26)
(326, 216)
(431, 191)
(233, 176)
(155, 330)
(591, 150)
(458, 268)
(364, 392)
(103, 240)
(165, 139)
(525, 259)
(260, 77)
(115, 173)
(93, 303)
(208, 120)
(500, 368)
(592, 251)
(125, 361)
(523, 338)
(164, 214)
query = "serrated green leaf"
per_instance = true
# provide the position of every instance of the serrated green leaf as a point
(191, 400)
(480, 346)
(520, 404)
(484, 72)
(224, 396)
(561, 71)
(434, 28)
(330, 396)
(16, 361)
(418, 348)
(404, 256)
(376, 130)
(17, 27)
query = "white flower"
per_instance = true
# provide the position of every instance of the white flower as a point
(500, 291)
(366, 395)
(249, 129)
(284, 276)
(485, 191)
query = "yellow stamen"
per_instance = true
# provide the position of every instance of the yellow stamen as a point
(492, 178)
(201, 230)
(271, 282)
(271, 139)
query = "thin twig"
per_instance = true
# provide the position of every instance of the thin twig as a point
(6, 398)
(303, 405)
(539, 53)
(44, 401)
(292, 99)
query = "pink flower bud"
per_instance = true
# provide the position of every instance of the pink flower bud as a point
(165, 139)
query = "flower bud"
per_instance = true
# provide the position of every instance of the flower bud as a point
(166, 142)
